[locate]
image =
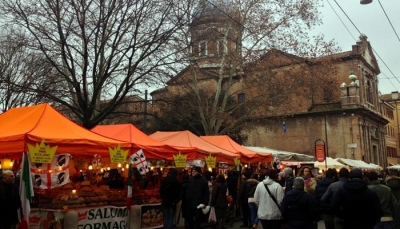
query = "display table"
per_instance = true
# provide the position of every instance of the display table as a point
(146, 216)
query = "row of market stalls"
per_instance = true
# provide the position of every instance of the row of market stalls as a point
(69, 164)
(61, 151)
(345, 162)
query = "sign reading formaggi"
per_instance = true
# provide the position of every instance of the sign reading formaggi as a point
(105, 217)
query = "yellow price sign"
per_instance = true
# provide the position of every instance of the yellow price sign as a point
(41, 153)
(211, 161)
(117, 154)
(180, 160)
(237, 161)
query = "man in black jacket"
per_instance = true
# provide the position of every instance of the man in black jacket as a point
(299, 209)
(324, 207)
(170, 195)
(358, 204)
(10, 201)
(196, 197)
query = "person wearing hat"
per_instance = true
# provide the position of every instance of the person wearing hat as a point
(356, 203)
(197, 196)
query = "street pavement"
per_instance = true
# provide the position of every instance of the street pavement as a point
(237, 223)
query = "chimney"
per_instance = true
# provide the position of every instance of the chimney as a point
(395, 95)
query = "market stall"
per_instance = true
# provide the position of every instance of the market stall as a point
(329, 163)
(358, 164)
(61, 154)
(152, 148)
(204, 148)
(246, 155)
(394, 167)
(283, 155)
(146, 201)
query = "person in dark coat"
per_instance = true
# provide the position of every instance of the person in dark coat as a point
(393, 181)
(232, 180)
(331, 192)
(170, 190)
(324, 207)
(244, 204)
(196, 197)
(184, 187)
(116, 182)
(219, 201)
(10, 201)
(356, 203)
(299, 208)
(251, 188)
(288, 176)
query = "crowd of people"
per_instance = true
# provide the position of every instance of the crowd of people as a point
(343, 200)
(267, 198)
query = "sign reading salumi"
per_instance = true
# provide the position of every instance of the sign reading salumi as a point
(103, 218)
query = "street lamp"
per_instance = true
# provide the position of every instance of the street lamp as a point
(364, 2)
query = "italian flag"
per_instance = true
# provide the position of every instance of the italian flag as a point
(129, 193)
(25, 191)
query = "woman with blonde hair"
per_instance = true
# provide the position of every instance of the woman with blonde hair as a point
(309, 181)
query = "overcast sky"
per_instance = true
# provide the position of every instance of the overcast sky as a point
(372, 21)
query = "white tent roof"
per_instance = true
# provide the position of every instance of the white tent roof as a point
(330, 163)
(282, 155)
(397, 167)
(358, 164)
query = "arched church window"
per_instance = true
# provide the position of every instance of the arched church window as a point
(369, 90)
(203, 48)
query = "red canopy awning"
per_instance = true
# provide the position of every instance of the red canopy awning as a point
(20, 126)
(152, 148)
(188, 139)
(247, 156)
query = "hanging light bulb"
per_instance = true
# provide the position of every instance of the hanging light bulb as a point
(101, 170)
(90, 167)
(122, 169)
(119, 165)
(127, 166)
(108, 168)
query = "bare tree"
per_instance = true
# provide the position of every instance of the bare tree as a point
(102, 50)
(256, 48)
(22, 72)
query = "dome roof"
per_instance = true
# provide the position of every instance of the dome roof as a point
(212, 7)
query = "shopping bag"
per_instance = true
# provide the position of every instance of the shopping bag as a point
(212, 218)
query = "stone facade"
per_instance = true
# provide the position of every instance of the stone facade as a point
(390, 107)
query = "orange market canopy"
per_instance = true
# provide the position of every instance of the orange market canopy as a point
(152, 148)
(246, 155)
(20, 126)
(188, 139)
